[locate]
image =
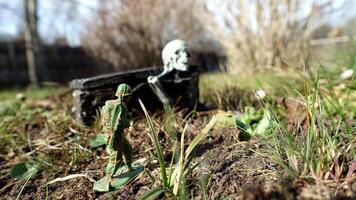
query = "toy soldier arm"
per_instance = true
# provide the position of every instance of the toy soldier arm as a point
(115, 122)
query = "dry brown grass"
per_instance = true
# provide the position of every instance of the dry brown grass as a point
(131, 33)
(265, 34)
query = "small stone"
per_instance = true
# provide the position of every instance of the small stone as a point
(21, 96)
(347, 74)
(260, 94)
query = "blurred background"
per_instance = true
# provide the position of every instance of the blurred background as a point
(51, 41)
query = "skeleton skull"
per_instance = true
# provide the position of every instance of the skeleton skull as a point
(175, 55)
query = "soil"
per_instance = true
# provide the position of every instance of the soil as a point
(228, 169)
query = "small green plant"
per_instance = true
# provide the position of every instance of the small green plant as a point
(24, 171)
(251, 122)
(254, 122)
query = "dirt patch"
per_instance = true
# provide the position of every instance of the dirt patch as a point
(232, 165)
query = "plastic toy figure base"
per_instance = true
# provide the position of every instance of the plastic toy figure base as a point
(102, 185)
(117, 182)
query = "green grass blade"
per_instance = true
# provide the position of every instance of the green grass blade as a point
(200, 137)
(154, 138)
(171, 168)
(151, 194)
(180, 163)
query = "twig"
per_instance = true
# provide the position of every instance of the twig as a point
(70, 177)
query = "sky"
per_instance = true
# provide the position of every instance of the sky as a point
(54, 18)
(55, 21)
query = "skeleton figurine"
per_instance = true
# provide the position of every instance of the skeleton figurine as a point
(175, 57)
(114, 119)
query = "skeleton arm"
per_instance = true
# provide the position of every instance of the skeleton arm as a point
(157, 88)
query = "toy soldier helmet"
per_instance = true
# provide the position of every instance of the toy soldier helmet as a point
(123, 90)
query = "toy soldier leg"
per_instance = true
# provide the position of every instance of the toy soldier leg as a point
(110, 167)
(115, 155)
(127, 153)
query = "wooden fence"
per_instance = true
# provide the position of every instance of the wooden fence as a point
(64, 63)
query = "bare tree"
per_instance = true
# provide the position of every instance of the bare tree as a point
(32, 41)
(265, 33)
(131, 33)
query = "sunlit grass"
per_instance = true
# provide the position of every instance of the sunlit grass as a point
(235, 91)
(274, 81)
(10, 94)
(320, 148)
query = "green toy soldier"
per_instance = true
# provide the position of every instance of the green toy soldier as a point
(114, 119)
